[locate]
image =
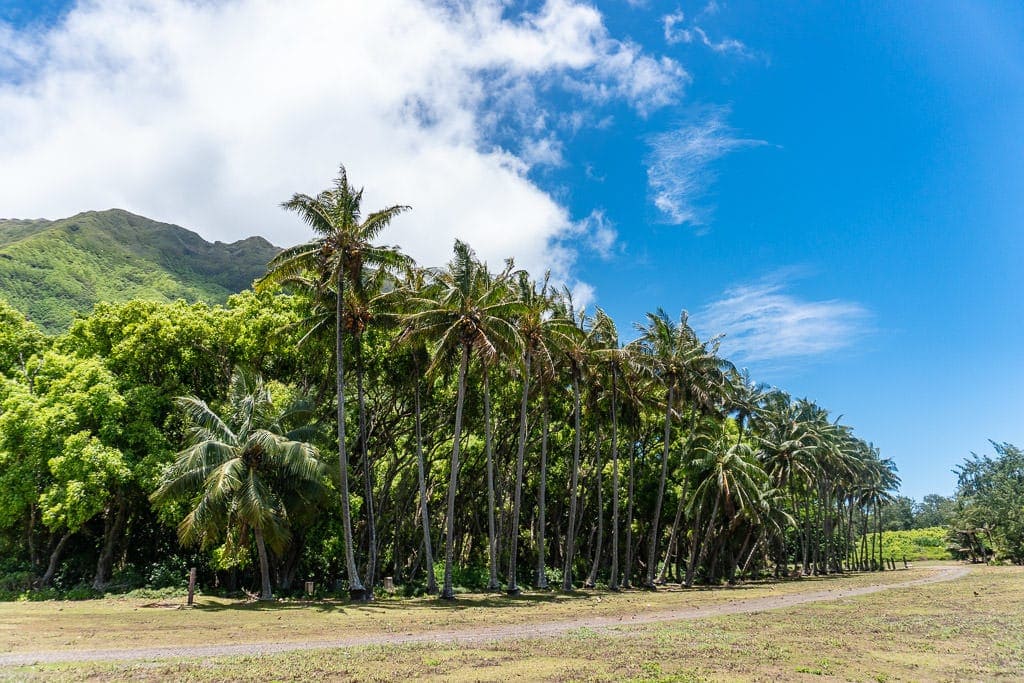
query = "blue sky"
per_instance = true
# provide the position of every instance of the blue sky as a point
(837, 187)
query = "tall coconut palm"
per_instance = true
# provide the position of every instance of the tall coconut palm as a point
(542, 331)
(337, 257)
(602, 339)
(238, 470)
(464, 311)
(788, 444)
(413, 285)
(576, 353)
(637, 394)
(687, 368)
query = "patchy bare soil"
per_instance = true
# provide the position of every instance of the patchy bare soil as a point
(620, 611)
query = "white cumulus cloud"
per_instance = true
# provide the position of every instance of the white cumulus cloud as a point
(209, 114)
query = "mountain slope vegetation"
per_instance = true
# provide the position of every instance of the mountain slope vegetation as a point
(51, 270)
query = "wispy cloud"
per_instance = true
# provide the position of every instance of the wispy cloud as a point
(597, 233)
(680, 163)
(677, 30)
(673, 25)
(763, 323)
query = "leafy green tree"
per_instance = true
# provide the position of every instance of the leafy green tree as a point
(898, 515)
(934, 510)
(19, 339)
(238, 471)
(990, 500)
(59, 460)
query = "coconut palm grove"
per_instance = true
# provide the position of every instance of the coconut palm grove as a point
(376, 426)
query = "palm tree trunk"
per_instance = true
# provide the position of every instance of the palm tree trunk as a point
(261, 550)
(513, 547)
(448, 592)
(673, 541)
(613, 579)
(371, 522)
(492, 539)
(627, 573)
(691, 565)
(807, 534)
(542, 578)
(878, 526)
(734, 564)
(690, 571)
(864, 538)
(592, 577)
(652, 552)
(570, 541)
(355, 586)
(424, 515)
(851, 548)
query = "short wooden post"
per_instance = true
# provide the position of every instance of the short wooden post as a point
(191, 585)
(389, 584)
(309, 588)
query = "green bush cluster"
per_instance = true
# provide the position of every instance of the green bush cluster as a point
(916, 544)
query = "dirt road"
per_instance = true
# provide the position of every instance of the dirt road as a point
(478, 635)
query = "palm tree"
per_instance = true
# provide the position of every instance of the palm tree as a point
(463, 311)
(604, 343)
(542, 330)
(729, 477)
(675, 355)
(414, 283)
(241, 469)
(342, 249)
(576, 353)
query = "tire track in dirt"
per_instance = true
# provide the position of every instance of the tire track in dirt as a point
(482, 635)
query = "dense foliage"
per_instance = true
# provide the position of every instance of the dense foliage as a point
(51, 270)
(929, 543)
(989, 519)
(473, 410)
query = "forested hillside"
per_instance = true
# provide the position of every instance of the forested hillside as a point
(51, 270)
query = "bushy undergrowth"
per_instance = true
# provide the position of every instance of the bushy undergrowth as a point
(916, 544)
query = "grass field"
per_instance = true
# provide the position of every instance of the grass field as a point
(968, 629)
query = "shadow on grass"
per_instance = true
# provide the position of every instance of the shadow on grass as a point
(468, 601)
(462, 602)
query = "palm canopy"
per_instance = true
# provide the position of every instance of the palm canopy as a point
(543, 324)
(343, 246)
(727, 471)
(464, 305)
(235, 466)
(675, 354)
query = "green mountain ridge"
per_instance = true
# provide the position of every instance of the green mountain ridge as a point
(51, 270)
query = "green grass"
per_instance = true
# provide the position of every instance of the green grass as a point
(51, 270)
(969, 629)
(128, 622)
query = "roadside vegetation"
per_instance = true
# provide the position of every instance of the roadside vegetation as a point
(370, 426)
